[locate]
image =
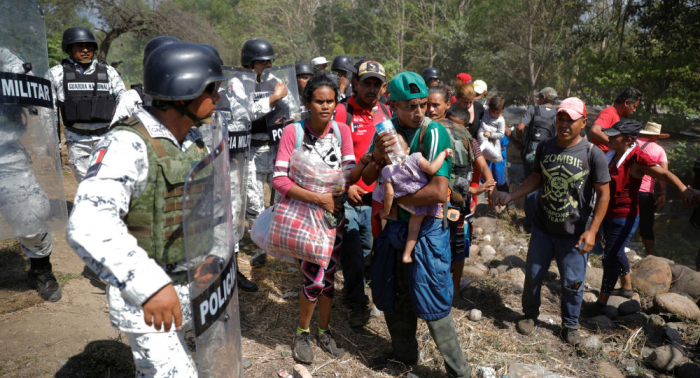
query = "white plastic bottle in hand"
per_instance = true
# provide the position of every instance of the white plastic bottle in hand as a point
(383, 123)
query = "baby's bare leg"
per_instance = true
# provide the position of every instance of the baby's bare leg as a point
(388, 199)
(413, 231)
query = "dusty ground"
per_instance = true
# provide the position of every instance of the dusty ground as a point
(73, 337)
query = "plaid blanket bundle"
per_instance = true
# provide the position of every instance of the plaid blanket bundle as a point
(298, 228)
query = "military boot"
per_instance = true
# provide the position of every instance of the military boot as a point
(42, 279)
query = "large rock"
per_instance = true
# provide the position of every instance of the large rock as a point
(686, 281)
(651, 276)
(629, 307)
(487, 252)
(638, 319)
(514, 276)
(607, 370)
(591, 344)
(513, 262)
(594, 276)
(510, 250)
(677, 304)
(600, 322)
(475, 271)
(666, 358)
(688, 370)
(488, 225)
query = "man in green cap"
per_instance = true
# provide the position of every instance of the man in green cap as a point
(421, 289)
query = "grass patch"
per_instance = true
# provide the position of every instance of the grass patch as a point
(62, 278)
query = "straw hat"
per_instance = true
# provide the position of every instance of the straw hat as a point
(653, 128)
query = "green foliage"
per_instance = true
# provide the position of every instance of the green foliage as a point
(681, 159)
(587, 48)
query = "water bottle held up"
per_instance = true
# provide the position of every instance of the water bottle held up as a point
(383, 123)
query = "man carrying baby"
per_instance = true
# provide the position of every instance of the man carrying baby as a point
(421, 289)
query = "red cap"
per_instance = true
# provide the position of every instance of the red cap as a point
(464, 77)
(574, 107)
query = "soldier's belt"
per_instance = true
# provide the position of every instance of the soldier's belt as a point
(83, 132)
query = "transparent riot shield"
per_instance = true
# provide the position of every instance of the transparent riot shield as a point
(32, 198)
(240, 87)
(212, 264)
(287, 109)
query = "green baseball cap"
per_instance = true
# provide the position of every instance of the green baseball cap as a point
(406, 86)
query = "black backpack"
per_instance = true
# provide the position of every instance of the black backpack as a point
(539, 129)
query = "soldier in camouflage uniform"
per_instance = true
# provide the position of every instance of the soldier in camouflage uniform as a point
(86, 113)
(258, 54)
(141, 165)
(23, 203)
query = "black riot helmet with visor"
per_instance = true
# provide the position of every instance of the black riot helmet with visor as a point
(155, 43)
(77, 34)
(256, 49)
(181, 71)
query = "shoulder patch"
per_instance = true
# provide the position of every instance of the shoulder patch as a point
(131, 121)
(96, 160)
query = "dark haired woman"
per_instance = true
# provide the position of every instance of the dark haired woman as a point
(321, 137)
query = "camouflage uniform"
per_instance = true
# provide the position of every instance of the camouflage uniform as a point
(260, 158)
(98, 232)
(80, 146)
(23, 204)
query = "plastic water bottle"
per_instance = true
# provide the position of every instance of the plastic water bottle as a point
(398, 154)
(382, 122)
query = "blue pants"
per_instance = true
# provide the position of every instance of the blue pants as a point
(618, 232)
(357, 245)
(544, 247)
(498, 170)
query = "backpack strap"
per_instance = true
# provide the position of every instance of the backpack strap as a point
(645, 144)
(299, 131)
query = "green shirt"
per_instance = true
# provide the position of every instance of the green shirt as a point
(435, 140)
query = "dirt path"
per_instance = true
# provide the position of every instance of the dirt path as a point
(73, 337)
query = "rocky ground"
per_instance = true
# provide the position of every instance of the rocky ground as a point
(654, 334)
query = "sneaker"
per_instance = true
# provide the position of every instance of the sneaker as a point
(571, 336)
(359, 316)
(44, 281)
(325, 340)
(244, 283)
(526, 325)
(259, 259)
(302, 348)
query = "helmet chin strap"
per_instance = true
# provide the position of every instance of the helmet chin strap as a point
(182, 109)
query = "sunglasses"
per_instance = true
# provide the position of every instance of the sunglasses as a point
(212, 87)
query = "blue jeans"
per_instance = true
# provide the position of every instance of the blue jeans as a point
(357, 244)
(618, 232)
(543, 248)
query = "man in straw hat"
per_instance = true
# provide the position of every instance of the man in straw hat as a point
(647, 203)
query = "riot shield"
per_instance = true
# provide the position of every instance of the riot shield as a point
(32, 198)
(287, 109)
(211, 263)
(240, 88)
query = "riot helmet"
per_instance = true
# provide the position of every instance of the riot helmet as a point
(303, 68)
(344, 63)
(215, 51)
(77, 34)
(180, 71)
(429, 74)
(256, 49)
(155, 43)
